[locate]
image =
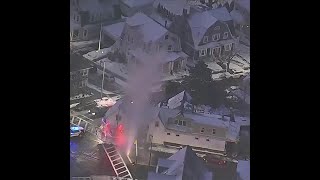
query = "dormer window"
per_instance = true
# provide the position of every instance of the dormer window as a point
(216, 37)
(205, 39)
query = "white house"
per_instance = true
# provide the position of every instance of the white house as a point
(182, 165)
(141, 35)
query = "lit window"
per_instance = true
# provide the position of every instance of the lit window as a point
(205, 39)
(202, 130)
(166, 37)
(157, 124)
(203, 52)
(216, 37)
(225, 35)
(217, 28)
(213, 131)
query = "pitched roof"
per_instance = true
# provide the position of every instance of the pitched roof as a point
(221, 14)
(77, 62)
(149, 28)
(199, 23)
(176, 100)
(114, 30)
(186, 160)
(136, 3)
(174, 6)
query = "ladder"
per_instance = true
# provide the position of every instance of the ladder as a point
(117, 161)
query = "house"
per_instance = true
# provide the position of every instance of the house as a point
(130, 7)
(111, 33)
(243, 170)
(204, 37)
(182, 165)
(142, 37)
(79, 71)
(86, 17)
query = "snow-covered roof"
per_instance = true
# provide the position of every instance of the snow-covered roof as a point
(151, 30)
(199, 23)
(162, 20)
(95, 6)
(136, 3)
(244, 3)
(243, 169)
(174, 6)
(214, 66)
(187, 160)
(237, 17)
(176, 100)
(208, 119)
(114, 30)
(221, 14)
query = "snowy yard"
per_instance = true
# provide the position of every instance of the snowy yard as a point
(214, 67)
(244, 52)
(119, 69)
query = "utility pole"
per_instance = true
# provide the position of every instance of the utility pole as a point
(99, 47)
(150, 137)
(104, 67)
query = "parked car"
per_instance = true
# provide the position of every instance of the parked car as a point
(76, 131)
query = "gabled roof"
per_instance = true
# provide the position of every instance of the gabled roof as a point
(77, 62)
(221, 14)
(151, 30)
(136, 3)
(187, 160)
(95, 6)
(174, 6)
(199, 23)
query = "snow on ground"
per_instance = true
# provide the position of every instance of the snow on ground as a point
(91, 86)
(244, 52)
(93, 55)
(235, 67)
(80, 96)
(218, 76)
(214, 66)
(80, 44)
(240, 62)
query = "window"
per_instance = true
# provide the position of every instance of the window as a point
(207, 139)
(78, 17)
(84, 73)
(225, 35)
(217, 28)
(157, 124)
(75, 33)
(216, 37)
(213, 131)
(177, 135)
(228, 47)
(202, 130)
(168, 133)
(180, 122)
(166, 37)
(196, 138)
(203, 52)
(205, 39)
(170, 48)
(85, 33)
(216, 51)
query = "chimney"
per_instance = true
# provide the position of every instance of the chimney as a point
(165, 23)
